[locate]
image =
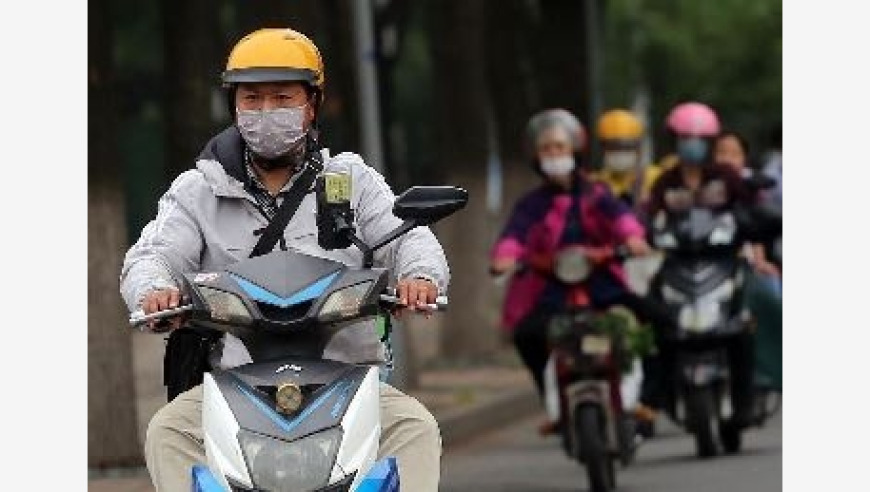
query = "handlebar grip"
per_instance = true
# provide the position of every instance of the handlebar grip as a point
(138, 317)
(440, 304)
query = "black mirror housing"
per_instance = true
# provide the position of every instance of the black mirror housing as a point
(426, 205)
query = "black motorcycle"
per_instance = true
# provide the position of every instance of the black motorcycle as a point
(707, 350)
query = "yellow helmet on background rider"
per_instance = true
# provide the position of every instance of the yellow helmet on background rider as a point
(619, 125)
(275, 55)
(620, 134)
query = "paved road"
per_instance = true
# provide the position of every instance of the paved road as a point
(517, 459)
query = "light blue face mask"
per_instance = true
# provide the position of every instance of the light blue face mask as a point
(692, 150)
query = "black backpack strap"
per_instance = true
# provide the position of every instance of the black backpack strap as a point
(274, 232)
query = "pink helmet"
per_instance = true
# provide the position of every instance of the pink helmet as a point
(693, 118)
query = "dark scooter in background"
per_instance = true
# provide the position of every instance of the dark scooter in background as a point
(708, 349)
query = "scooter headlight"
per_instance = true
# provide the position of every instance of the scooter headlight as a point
(571, 266)
(724, 231)
(225, 306)
(280, 466)
(344, 303)
(703, 314)
(700, 316)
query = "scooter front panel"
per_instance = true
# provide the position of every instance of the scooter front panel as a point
(362, 429)
(220, 429)
(328, 386)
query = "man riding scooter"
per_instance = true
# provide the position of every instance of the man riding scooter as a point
(213, 216)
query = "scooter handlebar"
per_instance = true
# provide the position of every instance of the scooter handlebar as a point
(139, 318)
(439, 305)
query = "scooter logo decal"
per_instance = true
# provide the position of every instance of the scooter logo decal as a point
(279, 420)
(292, 367)
(206, 277)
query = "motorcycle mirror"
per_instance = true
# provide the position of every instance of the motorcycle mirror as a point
(426, 205)
(420, 206)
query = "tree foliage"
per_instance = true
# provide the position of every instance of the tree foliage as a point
(726, 53)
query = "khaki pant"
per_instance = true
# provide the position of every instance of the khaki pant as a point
(173, 443)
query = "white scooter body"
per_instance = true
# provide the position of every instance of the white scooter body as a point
(357, 452)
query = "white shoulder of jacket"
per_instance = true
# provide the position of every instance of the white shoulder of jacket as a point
(192, 182)
(362, 172)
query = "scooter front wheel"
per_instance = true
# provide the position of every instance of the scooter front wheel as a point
(700, 416)
(731, 436)
(593, 449)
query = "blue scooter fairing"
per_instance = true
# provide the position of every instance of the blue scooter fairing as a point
(383, 477)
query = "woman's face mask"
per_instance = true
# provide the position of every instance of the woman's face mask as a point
(272, 133)
(620, 161)
(557, 166)
(692, 150)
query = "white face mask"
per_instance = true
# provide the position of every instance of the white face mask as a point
(620, 161)
(271, 133)
(557, 166)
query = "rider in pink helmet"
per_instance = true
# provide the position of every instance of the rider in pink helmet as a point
(695, 181)
(693, 127)
(693, 118)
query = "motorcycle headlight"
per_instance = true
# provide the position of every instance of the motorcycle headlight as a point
(280, 466)
(225, 306)
(724, 231)
(344, 303)
(700, 316)
(571, 266)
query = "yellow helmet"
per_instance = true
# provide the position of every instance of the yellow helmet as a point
(275, 55)
(619, 124)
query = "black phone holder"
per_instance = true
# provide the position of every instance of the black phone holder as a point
(334, 220)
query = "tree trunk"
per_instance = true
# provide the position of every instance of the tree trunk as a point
(112, 433)
(458, 53)
(192, 68)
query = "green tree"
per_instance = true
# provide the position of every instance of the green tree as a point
(112, 434)
(726, 53)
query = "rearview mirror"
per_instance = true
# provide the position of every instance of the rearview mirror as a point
(426, 205)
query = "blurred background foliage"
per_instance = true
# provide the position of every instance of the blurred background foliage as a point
(447, 70)
(726, 53)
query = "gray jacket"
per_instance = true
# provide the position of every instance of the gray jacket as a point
(206, 220)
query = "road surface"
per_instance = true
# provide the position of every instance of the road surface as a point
(517, 459)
